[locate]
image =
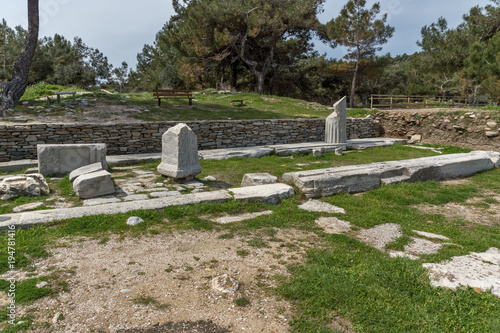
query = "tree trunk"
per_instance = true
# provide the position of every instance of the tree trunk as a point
(353, 85)
(12, 91)
(234, 75)
(260, 81)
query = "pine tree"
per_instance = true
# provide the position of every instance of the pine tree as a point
(362, 34)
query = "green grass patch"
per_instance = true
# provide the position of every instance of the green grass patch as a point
(43, 89)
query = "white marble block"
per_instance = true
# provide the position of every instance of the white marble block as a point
(58, 160)
(179, 158)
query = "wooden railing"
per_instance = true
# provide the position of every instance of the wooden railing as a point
(413, 101)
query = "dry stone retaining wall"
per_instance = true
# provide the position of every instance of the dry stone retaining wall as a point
(19, 141)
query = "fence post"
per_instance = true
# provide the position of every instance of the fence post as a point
(408, 102)
(391, 102)
(371, 103)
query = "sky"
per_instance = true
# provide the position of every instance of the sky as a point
(120, 28)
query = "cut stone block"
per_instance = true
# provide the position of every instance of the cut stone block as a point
(365, 177)
(271, 193)
(85, 170)
(336, 123)
(179, 158)
(253, 179)
(57, 160)
(94, 184)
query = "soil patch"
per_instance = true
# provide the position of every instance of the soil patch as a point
(161, 283)
(474, 210)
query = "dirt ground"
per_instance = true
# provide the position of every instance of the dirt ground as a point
(162, 283)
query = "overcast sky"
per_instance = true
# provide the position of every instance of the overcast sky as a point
(120, 28)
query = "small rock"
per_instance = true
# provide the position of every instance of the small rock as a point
(316, 152)
(134, 220)
(339, 151)
(198, 190)
(56, 318)
(491, 134)
(42, 284)
(209, 178)
(225, 284)
(125, 291)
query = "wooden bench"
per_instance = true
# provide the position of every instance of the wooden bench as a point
(237, 101)
(58, 94)
(173, 94)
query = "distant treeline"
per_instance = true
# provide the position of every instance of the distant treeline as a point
(266, 46)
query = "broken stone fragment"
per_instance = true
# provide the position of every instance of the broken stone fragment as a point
(253, 179)
(94, 184)
(94, 167)
(33, 185)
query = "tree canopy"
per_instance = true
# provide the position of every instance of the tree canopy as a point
(358, 29)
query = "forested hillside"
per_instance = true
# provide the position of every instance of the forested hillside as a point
(266, 46)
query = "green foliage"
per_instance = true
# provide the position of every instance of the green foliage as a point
(358, 29)
(463, 60)
(242, 301)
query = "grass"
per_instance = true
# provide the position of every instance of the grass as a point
(342, 277)
(43, 89)
(206, 106)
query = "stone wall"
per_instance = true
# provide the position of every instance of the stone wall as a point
(475, 128)
(20, 141)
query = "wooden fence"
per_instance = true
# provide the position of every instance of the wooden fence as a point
(408, 102)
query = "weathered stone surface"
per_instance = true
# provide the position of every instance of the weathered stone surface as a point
(85, 170)
(419, 246)
(179, 153)
(32, 185)
(27, 207)
(332, 225)
(46, 216)
(415, 139)
(491, 134)
(241, 217)
(224, 154)
(360, 178)
(320, 206)
(56, 160)
(224, 284)
(271, 193)
(100, 201)
(477, 270)
(253, 179)
(335, 128)
(381, 235)
(430, 235)
(94, 184)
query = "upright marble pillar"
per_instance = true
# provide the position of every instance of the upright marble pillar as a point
(335, 131)
(179, 158)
